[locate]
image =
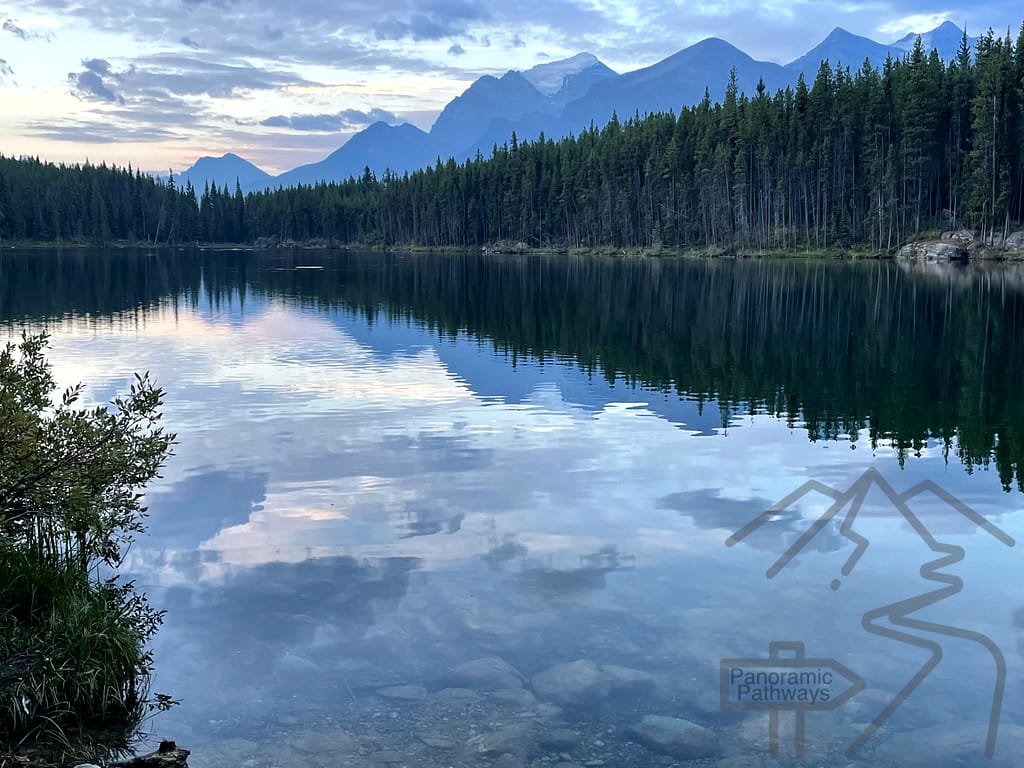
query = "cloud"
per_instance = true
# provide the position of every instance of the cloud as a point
(24, 34)
(99, 66)
(90, 84)
(316, 32)
(10, 26)
(159, 98)
(517, 42)
(346, 119)
(456, 50)
(914, 23)
(165, 75)
(419, 28)
(96, 132)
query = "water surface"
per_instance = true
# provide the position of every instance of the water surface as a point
(392, 464)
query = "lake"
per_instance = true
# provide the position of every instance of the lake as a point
(455, 510)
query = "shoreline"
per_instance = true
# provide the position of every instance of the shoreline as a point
(978, 254)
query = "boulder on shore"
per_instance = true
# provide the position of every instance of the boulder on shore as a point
(1015, 241)
(933, 250)
(168, 755)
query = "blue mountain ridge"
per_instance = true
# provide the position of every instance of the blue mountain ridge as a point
(564, 97)
(226, 170)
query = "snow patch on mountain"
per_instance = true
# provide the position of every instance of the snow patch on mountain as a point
(549, 78)
(945, 38)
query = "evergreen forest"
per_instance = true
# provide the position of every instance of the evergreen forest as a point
(859, 158)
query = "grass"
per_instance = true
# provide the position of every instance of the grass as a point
(72, 650)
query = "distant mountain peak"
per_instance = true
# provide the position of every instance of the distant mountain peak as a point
(228, 169)
(549, 78)
(713, 43)
(841, 33)
(946, 38)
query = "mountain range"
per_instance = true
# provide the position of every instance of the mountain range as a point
(564, 97)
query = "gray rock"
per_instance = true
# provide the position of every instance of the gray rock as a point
(487, 674)
(388, 757)
(459, 696)
(960, 744)
(748, 761)
(434, 741)
(293, 662)
(935, 250)
(167, 755)
(511, 739)
(319, 743)
(549, 712)
(575, 684)
(959, 235)
(627, 681)
(674, 736)
(1015, 241)
(403, 692)
(510, 760)
(516, 696)
(560, 740)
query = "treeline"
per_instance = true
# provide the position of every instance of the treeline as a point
(857, 158)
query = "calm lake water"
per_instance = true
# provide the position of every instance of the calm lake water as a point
(393, 466)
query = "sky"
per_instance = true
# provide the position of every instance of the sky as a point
(159, 83)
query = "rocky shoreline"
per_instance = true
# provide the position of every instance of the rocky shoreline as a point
(962, 245)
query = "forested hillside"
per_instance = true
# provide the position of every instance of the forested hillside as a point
(866, 158)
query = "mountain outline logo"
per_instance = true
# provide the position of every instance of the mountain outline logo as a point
(896, 621)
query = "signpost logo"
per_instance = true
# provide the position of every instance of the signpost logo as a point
(788, 681)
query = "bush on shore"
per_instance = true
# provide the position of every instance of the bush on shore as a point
(73, 637)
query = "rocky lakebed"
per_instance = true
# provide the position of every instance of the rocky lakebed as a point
(484, 713)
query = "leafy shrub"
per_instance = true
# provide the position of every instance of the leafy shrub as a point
(73, 640)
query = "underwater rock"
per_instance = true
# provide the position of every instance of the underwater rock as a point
(627, 681)
(436, 741)
(320, 742)
(560, 740)
(456, 696)
(487, 674)
(403, 692)
(574, 684)
(674, 736)
(956, 743)
(511, 739)
(517, 696)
